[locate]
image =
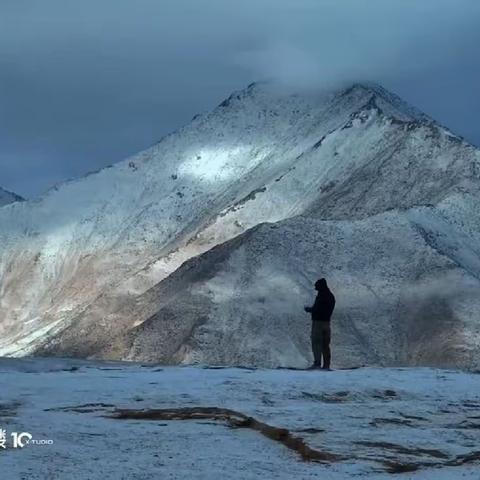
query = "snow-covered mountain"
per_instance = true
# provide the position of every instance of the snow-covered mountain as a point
(355, 185)
(7, 197)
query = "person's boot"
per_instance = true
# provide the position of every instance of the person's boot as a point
(315, 366)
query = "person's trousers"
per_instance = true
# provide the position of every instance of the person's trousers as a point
(321, 335)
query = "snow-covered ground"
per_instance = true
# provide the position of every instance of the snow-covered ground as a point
(372, 419)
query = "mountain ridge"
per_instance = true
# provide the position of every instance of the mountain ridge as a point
(7, 197)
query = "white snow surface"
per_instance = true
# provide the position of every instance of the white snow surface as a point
(423, 417)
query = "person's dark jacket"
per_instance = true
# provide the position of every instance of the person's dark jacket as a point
(324, 304)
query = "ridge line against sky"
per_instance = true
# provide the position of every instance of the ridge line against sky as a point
(86, 84)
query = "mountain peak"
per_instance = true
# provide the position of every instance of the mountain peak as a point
(366, 94)
(394, 103)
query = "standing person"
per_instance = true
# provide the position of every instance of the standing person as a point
(321, 312)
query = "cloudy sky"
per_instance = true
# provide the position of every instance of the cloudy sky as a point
(87, 83)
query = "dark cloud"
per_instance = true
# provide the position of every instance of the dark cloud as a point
(86, 83)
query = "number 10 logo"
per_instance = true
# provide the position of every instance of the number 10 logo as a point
(20, 439)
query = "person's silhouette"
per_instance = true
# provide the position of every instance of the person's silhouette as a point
(321, 312)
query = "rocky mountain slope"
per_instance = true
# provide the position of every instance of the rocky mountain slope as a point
(7, 197)
(354, 185)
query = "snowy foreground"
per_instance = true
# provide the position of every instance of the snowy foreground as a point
(364, 423)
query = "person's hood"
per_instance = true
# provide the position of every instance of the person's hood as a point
(321, 285)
